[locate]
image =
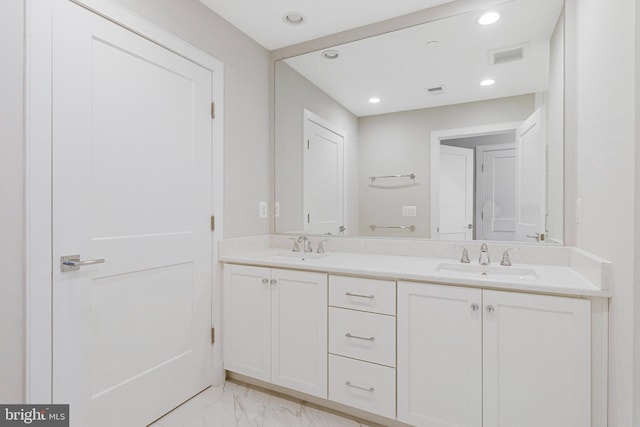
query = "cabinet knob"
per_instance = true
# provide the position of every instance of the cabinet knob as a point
(274, 281)
(490, 309)
(265, 281)
(475, 307)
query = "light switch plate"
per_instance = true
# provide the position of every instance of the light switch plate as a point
(408, 211)
(263, 209)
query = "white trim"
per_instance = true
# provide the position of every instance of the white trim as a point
(434, 160)
(38, 197)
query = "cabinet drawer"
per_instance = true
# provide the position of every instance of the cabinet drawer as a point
(363, 385)
(365, 336)
(377, 296)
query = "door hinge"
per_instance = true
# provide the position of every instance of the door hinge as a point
(308, 147)
(482, 168)
(213, 110)
(481, 215)
(213, 223)
(308, 219)
(213, 335)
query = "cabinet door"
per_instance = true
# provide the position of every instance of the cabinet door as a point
(247, 321)
(439, 355)
(536, 360)
(299, 331)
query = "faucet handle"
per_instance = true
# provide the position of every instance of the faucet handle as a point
(506, 261)
(295, 248)
(465, 255)
(320, 249)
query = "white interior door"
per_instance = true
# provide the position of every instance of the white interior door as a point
(456, 193)
(132, 186)
(496, 192)
(323, 189)
(531, 173)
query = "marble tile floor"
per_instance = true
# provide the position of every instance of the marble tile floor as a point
(239, 405)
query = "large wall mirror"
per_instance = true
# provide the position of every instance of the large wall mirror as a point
(446, 130)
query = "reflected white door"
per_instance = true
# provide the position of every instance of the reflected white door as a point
(530, 173)
(496, 192)
(131, 185)
(323, 175)
(456, 193)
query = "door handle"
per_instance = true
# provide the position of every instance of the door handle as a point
(73, 262)
(538, 236)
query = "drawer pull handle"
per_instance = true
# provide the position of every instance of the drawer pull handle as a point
(348, 335)
(349, 294)
(369, 389)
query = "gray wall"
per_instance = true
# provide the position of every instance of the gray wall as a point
(293, 94)
(398, 144)
(12, 325)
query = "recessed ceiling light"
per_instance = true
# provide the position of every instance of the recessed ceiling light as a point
(374, 100)
(487, 82)
(294, 18)
(489, 18)
(330, 54)
(432, 43)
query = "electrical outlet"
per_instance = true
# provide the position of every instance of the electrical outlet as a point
(277, 210)
(263, 209)
(408, 211)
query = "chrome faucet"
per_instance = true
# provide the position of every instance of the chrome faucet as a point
(295, 247)
(465, 255)
(506, 261)
(484, 255)
(306, 243)
(320, 249)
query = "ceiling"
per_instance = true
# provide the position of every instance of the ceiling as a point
(399, 66)
(262, 20)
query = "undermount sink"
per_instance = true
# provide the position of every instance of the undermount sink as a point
(300, 256)
(487, 271)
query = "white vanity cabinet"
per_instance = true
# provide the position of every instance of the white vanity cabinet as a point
(439, 355)
(362, 343)
(471, 357)
(537, 360)
(275, 326)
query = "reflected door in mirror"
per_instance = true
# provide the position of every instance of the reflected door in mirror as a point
(530, 172)
(456, 193)
(323, 196)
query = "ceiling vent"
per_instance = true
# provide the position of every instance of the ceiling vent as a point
(507, 55)
(435, 90)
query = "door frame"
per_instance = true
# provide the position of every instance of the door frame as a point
(38, 177)
(436, 136)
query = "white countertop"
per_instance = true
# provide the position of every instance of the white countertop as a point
(561, 280)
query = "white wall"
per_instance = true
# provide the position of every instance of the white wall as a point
(12, 325)
(606, 170)
(293, 93)
(247, 74)
(398, 144)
